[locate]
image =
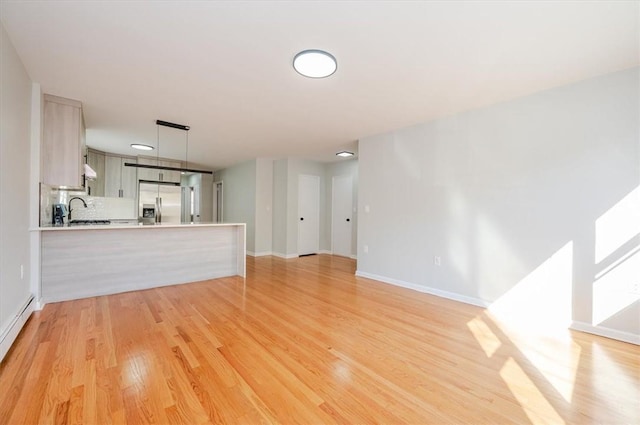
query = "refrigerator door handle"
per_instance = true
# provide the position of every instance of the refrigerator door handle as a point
(158, 210)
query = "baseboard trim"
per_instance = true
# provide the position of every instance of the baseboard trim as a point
(285, 256)
(40, 304)
(606, 332)
(11, 333)
(288, 256)
(577, 326)
(259, 254)
(425, 289)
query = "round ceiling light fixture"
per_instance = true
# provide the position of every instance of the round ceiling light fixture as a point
(142, 147)
(345, 154)
(315, 63)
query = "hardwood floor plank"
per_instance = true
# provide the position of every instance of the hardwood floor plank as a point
(75, 412)
(305, 341)
(29, 403)
(62, 413)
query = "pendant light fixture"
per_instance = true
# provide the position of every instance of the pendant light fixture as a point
(186, 128)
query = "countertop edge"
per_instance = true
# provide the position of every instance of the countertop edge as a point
(132, 227)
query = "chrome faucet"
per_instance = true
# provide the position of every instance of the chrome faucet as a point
(75, 197)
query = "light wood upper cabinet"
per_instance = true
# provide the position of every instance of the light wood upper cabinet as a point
(63, 142)
(113, 175)
(96, 160)
(120, 181)
(129, 183)
(170, 176)
(159, 175)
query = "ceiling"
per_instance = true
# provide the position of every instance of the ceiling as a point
(224, 68)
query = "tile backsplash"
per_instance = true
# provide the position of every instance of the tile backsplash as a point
(98, 208)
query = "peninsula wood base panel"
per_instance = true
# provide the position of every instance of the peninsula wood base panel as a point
(87, 263)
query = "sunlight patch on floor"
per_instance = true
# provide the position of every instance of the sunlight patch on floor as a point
(539, 307)
(542, 300)
(557, 359)
(488, 341)
(610, 375)
(532, 401)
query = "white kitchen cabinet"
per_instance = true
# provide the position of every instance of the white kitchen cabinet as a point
(63, 142)
(121, 181)
(96, 161)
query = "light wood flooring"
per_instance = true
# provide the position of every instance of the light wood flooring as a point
(305, 341)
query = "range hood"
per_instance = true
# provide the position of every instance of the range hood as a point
(89, 173)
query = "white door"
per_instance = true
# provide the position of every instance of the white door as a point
(341, 215)
(308, 214)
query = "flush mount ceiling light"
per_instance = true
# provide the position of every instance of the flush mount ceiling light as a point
(315, 63)
(142, 147)
(345, 154)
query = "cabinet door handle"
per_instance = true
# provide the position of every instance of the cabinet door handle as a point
(301, 218)
(348, 219)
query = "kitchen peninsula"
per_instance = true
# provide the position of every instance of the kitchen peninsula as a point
(86, 261)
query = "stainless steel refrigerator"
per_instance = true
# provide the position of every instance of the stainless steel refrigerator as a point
(167, 200)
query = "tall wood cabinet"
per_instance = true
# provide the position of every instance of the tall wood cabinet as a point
(96, 161)
(121, 181)
(63, 142)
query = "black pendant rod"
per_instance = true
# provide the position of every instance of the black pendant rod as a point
(162, 167)
(173, 125)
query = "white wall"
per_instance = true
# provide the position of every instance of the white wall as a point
(206, 197)
(15, 139)
(343, 168)
(279, 221)
(274, 211)
(264, 207)
(239, 197)
(534, 201)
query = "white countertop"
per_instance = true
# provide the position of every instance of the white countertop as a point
(132, 226)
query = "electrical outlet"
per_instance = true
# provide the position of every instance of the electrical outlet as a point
(366, 249)
(437, 261)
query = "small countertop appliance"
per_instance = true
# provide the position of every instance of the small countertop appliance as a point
(59, 212)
